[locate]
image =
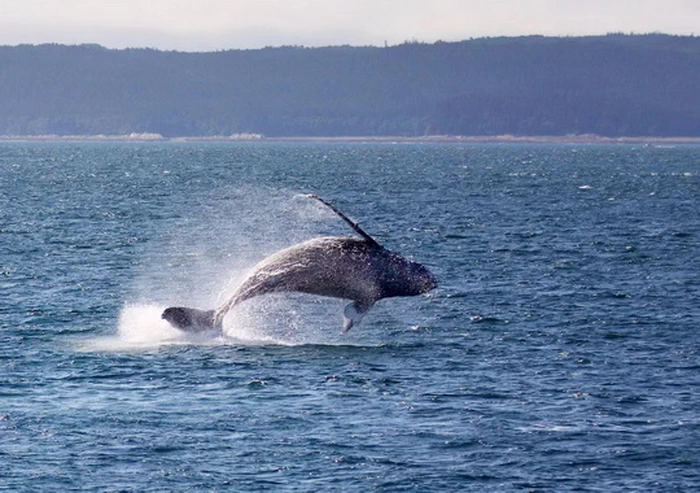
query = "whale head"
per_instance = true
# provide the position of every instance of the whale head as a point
(420, 279)
(405, 277)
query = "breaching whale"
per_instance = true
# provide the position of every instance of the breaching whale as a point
(357, 269)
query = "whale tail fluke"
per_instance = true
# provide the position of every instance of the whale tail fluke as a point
(191, 319)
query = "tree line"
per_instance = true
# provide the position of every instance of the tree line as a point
(614, 85)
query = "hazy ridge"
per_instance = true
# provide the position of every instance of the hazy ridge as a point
(615, 85)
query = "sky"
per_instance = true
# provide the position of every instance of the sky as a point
(210, 25)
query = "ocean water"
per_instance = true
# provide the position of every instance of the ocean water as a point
(561, 351)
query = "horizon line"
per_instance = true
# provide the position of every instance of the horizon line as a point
(386, 45)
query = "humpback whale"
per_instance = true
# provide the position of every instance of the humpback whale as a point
(356, 269)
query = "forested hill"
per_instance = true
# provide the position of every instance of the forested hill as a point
(614, 85)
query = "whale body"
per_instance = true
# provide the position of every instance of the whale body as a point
(356, 269)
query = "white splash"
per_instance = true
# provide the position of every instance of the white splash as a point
(139, 327)
(272, 321)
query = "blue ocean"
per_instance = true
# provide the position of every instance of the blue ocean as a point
(560, 352)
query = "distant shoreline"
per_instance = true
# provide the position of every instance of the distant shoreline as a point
(500, 89)
(501, 139)
(479, 139)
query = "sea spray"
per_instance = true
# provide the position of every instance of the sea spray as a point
(287, 319)
(204, 254)
(139, 327)
(202, 257)
(142, 324)
(272, 320)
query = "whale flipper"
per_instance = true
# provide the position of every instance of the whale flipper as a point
(356, 227)
(353, 314)
(191, 319)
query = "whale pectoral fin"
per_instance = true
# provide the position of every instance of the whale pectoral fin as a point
(353, 313)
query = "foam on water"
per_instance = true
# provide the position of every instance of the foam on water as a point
(139, 327)
(273, 320)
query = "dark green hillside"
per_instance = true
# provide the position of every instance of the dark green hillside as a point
(612, 85)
